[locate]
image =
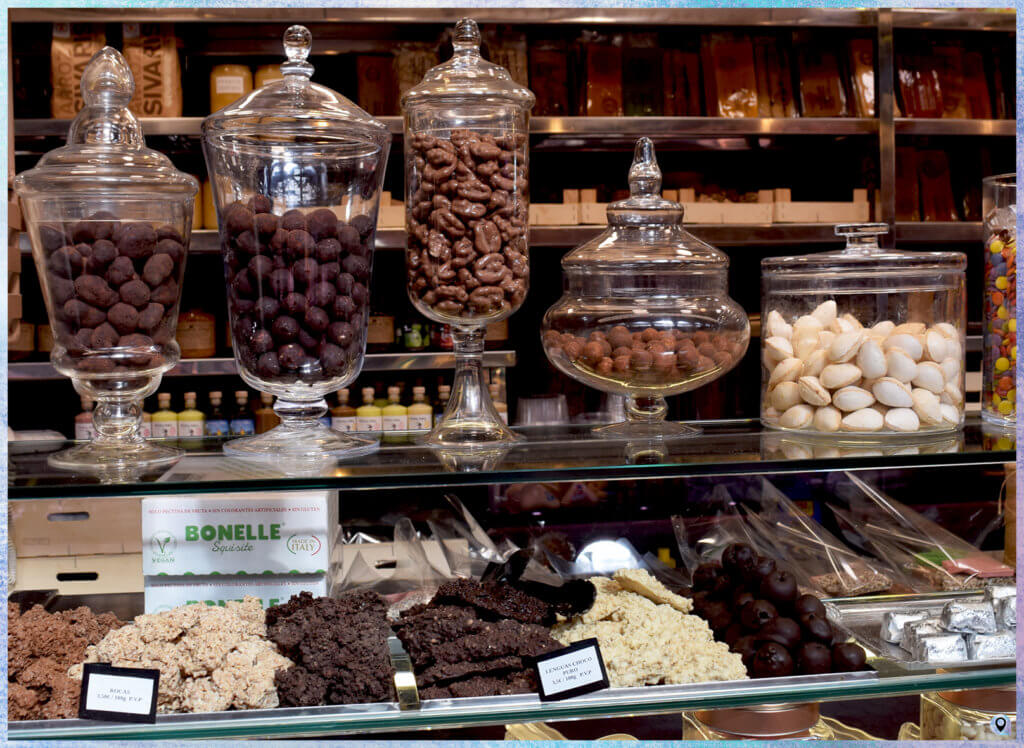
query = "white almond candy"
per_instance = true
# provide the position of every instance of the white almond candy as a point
(812, 392)
(827, 419)
(909, 328)
(865, 419)
(935, 345)
(814, 363)
(787, 370)
(779, 347)
(841, 324)
(892, 392)
(825, 313)
(930, 377)
(954, 349)
(902, 419)
(947, 330)
(950, 414)
(853, 321)
(845, 346)
(825, 338)
(805, 343)
(883, 328)
(899, 365)
(784, 396)
(797, 417)
(835, 376)
(777, 325)
(951, 394)
(907, 343)
(871, 360)
(927, 406)
(807, 323)
(771, 415)
(950, 369)
(852, 398)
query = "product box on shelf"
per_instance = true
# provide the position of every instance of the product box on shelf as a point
(258, 533)
(76, 527)
(106, 574)
(391, 214)
(164, 593)
(787, 211)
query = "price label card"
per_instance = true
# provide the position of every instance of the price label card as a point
(118, 694)
(572, 671)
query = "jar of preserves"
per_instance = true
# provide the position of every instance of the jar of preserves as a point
(863, 342)
(999, 318)
(646, 311)
(466, 130)
(296, 171)
(109, 221)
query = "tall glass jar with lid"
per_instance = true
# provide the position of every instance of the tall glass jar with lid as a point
(296, 171)
(863, 342)
(466, 185)
(999, 315)
(646, 311)
(109, 220)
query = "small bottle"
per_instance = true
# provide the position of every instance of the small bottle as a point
(242, 422)
(146, 427)
(420, 412)
(83, 421)
(266, 418)
(379, 400)
(217, 422)
(196, 334)
(394, 415)
(165, 420)
(368, 415)
(444, 391)
(343, 415)
(228, 83)
(190, 422)
(499, 405)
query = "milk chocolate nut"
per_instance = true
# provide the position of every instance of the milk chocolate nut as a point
(467, 279)
(438, 174)
(103, 252)
(448, 307)
(490, 268)
(157, 269)
(238, 218)
(448, 187)
(502, 183)
(486, 237)
(135, 292)
(61, 289)
(439, 247)
(467, 209)
(487, 169)
(440, 157)
(92, 289)
(136, 240)
(174, 250)
(166, 293)
(484, 151)
(446, 221)
(322, 224)
(149, 318)
(104, 336)
(498, 200)
(66, 262)
(124, 317)
(518, 263)
(486, 299)
(440, 202)
(445, 273)
(463, 171)
(422, 141)
(456, 293)
(81, 314)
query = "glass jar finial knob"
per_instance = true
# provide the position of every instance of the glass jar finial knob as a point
(297, 44)
(467, 36)
(107, 80)
(644, 174)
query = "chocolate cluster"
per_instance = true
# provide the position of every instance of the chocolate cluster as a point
(757, 610)
(298, 289)
(114, 288)
(467, 223)
(648, 356)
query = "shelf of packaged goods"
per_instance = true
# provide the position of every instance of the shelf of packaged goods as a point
(499, 710)
(546, 454)
(912, 126)
(207, 367)
(939, 232)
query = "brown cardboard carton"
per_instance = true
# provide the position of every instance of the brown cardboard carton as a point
(76, 527)
(72, 47)
(152, 53)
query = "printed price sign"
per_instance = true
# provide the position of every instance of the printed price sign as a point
(118, 694)
(573, 671)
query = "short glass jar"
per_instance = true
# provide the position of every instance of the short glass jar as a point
(999, 317)
(110, 220)
(296, 171)
(981, 714)
(864, 341)
(646, 311)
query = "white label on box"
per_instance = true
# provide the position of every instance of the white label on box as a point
(164, 593)
(575, 670)
(225, 534)
(229, 84)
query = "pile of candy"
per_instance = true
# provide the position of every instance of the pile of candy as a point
(1000, 319)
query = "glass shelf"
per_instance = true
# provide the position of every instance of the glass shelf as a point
(548, 454)
(499, 710)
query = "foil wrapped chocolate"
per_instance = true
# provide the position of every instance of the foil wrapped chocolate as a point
(893, 623)
(999, 591)
(1006, 612)
(913, 630)
(991, 646)
(969, 618)
(947, 647)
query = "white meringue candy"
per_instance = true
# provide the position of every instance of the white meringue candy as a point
(926, 405)
(852, 398)
(812, 392)
(883, 328)
(784, 396)
(787, 370)
(902, 419)
(827, 419)
(807, 323)
(950, 369)
(777, 326)
(892, 392)
(935, 345)
(835, 376)
(825, 312)
(909, 328)
(797, 417)
(814, 363)
(899, 365)
(946, 330)
(866, 419)
(905, 342)
(844, 347)
(930, 377)
(950, 414)
(778, 347)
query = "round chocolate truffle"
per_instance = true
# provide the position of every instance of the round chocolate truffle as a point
(784, 631)
(809, 604)
(772, 660)
(756, 614)
(779, 587)
(746, 647)
(847, 658)
(704, 576)
(816, 628)
(812, 658)
(738, 560)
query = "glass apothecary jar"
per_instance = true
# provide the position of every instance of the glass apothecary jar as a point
(771, 722)
(467, 209)
(296, 171)
(109, 221)
(980, 714)
(863, 341)
(645, 311)
(999, 319)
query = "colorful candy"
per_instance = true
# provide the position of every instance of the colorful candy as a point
(999, 363)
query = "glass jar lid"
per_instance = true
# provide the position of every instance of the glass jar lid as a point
(862, 256)
(467, 75)
(106, 152)
(645, 231)
(294, 112)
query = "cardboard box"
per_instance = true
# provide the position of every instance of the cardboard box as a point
(164, 593)
(594, 214)
(588, 195)
(76, 527)
(253, 533)
(570, 197)
(554, 214)
(81, 575)
(786, 211)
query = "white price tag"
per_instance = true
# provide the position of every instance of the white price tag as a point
(118, 694)
(573, 671)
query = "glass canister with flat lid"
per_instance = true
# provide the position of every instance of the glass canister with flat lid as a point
(646, 311)
(863, 341)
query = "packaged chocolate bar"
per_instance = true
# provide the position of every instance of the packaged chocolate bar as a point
(862, 76)
(507, 48)
(412, 61)
(940, 648)
(991, 646)
(969, 618)
(785, 91)
(893, 623)
(821, 89)
(908, 197)
(72, 47)
(914, 630)
(729, 67)
(763, 66)
(918, 85)
(950, 63)
(689, 82)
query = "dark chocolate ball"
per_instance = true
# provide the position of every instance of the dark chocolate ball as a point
(705, 575)
(717, 614)
(316, 319)
(124, 317)
(261, 266)
(322, 223)
(308, 340)
(746, 647)
(816, 628)
(281, 283)
(260, 204)
(343, 307)
(169, 232)
(136, 293)
(732, 633)
(812, 658)
(279, 241)
(247, 243)
(762, 568)
(150, 317)
(238, 218)
(848, 658)
(738, 559)
(266, 225)
(291, 356)
(300, 244)
(360, 294)
(348, 238)
(173, 249)
(344, 283)
(321, 294)
(359, 267)
(295, 304)
(261, 342)
(327, 250)
(121, 271)
(244, 284)
(809, 604)
(103, 253)
(267, 308)
(136, 240)
(332, 359)
(723, 587)
(740, 598)
(784, 631)
(779, 587)
(758, 613)
(267, 365)
(341, 333)
(305, 271)
(285, 329)
(701, 600)
(362, 224)
(293, 220)
(771, 661)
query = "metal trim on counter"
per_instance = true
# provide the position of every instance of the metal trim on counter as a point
(976, 127)
(208, 367)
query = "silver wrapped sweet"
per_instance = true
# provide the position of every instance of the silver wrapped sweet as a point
(992, 646)
(915, 629)
(969, 618)
(999, 591)
(946, 647)
(894, 621)
(1006, 612)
